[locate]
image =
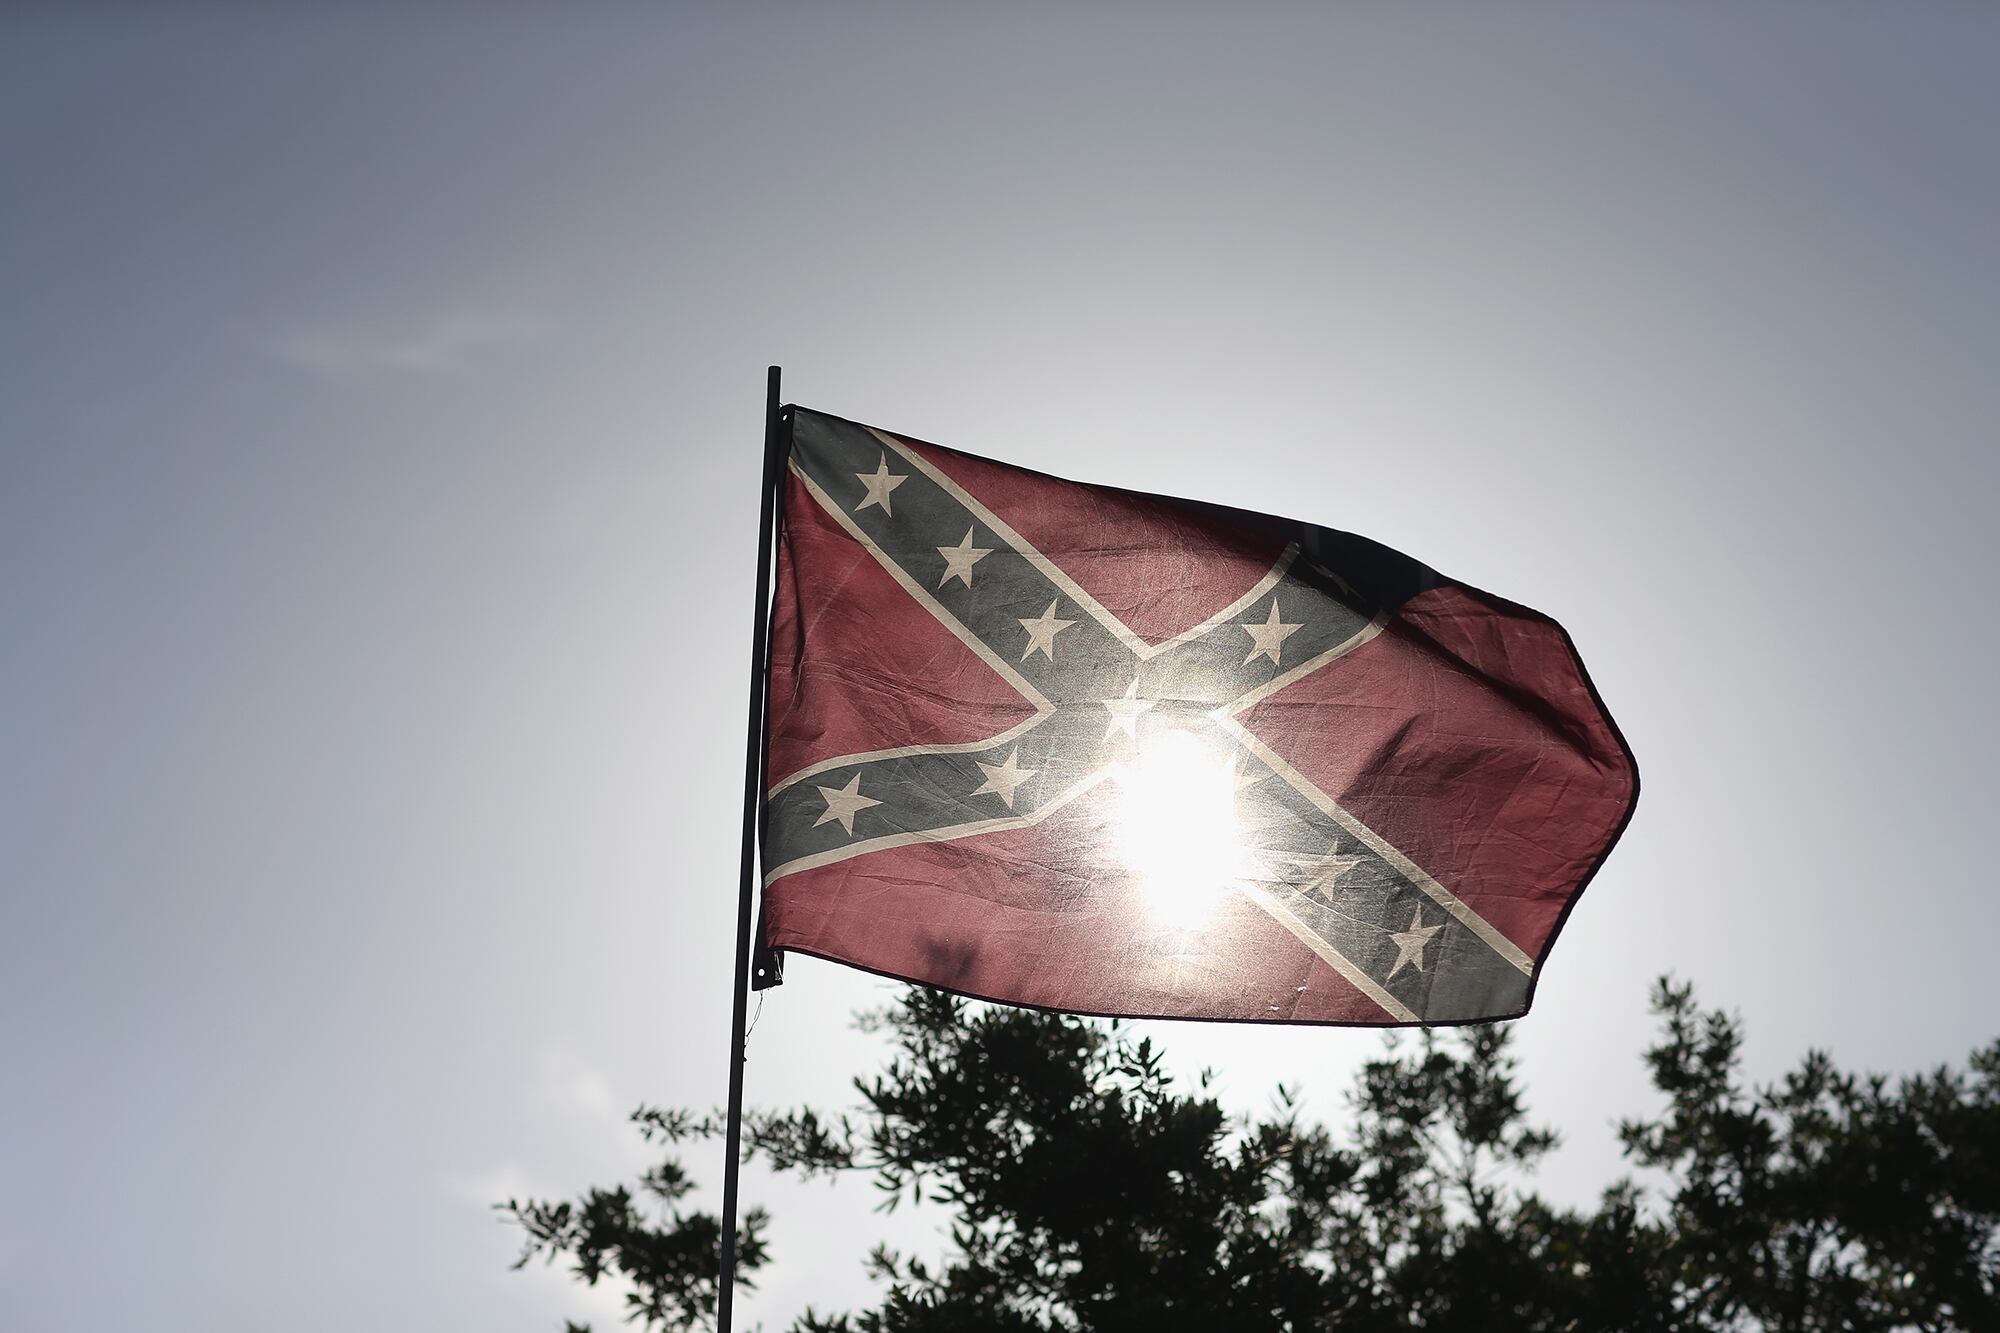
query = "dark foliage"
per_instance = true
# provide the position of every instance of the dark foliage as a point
(1089, 1193)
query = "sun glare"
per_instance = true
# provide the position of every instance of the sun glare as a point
(1176, 827)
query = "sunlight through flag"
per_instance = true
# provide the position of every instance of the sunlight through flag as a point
(1087, 749)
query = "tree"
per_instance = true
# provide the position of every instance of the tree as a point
(1090, 1193)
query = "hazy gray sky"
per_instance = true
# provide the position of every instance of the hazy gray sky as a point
(380, 401)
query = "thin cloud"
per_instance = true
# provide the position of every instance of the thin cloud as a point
(446, 343)
(568, 1083)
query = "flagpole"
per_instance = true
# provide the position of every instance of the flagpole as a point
(753, 753)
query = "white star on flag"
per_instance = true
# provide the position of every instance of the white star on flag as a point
(1125, 713)
(1001, 779)
(1042, 633)
(879, 487)
(1335, 864)
(843, 803)
(959, 560)
(1267, 639)
(1410, 943)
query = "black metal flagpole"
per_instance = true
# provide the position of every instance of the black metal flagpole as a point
(753, 754)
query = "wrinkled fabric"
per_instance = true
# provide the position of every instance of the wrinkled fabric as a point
(1086, 749)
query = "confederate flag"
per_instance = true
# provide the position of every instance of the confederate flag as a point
(1087, 749)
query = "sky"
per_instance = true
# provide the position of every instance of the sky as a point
(381, 402)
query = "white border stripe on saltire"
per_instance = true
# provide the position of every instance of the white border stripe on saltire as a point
(944, 833)
(1019, 683)
(1333, 957)
(1014, 732)
(1225, 717)
(1049, 570)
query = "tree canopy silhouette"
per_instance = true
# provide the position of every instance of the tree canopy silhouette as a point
(1090, 1193)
